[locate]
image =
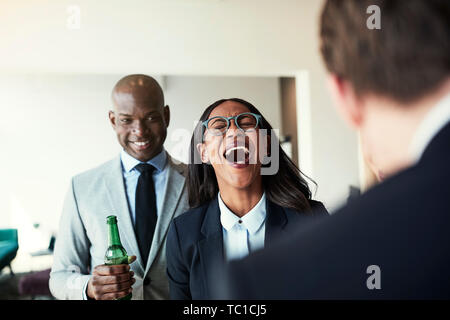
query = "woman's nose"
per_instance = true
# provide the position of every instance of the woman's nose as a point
(233, 130)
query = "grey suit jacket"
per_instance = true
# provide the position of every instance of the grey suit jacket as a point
(82, 238)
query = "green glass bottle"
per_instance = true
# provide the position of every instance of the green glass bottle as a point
(115, 254)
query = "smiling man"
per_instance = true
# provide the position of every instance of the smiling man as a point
(143, 187)
(140, 118)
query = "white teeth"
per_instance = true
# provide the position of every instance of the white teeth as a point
(141, 143)
(236, 148)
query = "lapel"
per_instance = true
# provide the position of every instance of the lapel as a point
(117, 195)
(211, 247)
(275, 222)
(174, 188)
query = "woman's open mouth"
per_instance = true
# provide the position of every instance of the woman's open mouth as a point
(237, 155)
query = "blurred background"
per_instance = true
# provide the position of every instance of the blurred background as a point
(59, 61)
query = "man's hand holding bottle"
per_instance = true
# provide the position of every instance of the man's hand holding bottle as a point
(111, 282)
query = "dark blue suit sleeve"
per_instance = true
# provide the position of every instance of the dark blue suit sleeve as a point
(177, 271)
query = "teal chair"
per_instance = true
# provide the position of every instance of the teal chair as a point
(9, 245)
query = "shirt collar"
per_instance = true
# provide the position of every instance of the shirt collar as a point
(433, 122)
(253, 220)
(128, 162)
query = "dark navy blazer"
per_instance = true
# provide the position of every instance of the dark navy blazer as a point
(195, 255)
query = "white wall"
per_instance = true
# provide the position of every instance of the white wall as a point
(52, 128)
(55, 126)
(213, 37)
(334, 147)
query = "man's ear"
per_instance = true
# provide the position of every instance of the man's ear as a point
(167, 115)
(201, 148)
(112, 118)
(348, 105)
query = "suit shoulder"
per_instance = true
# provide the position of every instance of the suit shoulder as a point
(317, 210)
(188, 225)
(177, 165)
(318, 207)
(97, 172)
(192, 218)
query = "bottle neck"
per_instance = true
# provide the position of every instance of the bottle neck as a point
(113, 235)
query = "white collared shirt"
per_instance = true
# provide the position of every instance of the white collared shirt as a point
(131, 177)
(433, 122)
(242, 235)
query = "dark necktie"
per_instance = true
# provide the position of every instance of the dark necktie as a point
(145, 210)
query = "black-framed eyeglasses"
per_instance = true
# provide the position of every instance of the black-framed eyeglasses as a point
(246, 122)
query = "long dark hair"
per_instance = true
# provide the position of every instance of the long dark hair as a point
(286, 187)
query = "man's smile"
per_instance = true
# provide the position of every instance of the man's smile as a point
(141, 145)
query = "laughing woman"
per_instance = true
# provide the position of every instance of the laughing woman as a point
(237, 209)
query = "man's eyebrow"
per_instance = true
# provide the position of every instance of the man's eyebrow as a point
(124, 114)
(152, 112)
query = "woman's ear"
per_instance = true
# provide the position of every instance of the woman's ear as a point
(201, 148)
